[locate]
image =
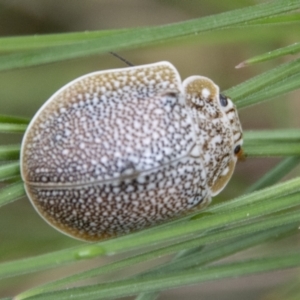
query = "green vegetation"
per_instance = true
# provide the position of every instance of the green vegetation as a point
(262, 214)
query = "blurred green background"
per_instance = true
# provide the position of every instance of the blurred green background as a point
(215, 55)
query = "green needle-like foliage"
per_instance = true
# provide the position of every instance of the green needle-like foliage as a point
(266, 212)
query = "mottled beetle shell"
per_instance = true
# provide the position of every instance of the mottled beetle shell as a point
(120, 150)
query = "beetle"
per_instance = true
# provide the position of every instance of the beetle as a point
(120, 150)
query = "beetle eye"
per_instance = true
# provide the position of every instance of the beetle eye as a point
(237, 149)
(223, 100)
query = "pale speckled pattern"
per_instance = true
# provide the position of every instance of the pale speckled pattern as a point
(116, 151)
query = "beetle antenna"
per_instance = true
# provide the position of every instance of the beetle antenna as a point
(122, 59)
